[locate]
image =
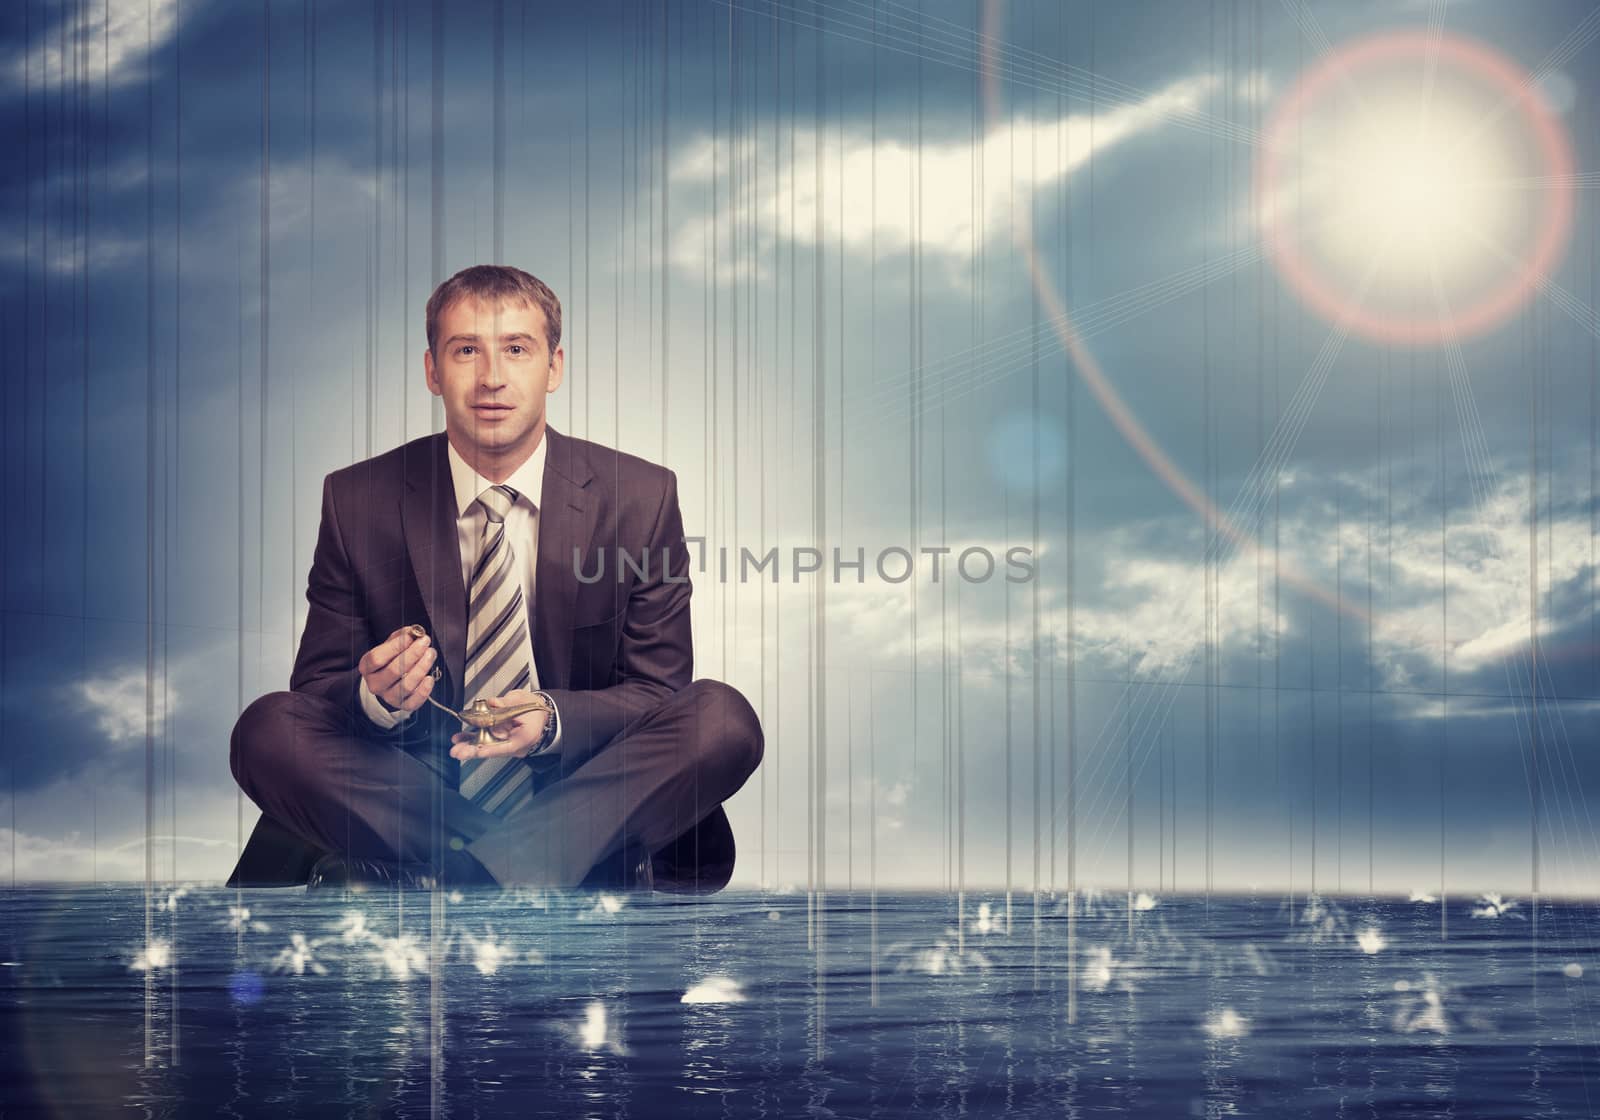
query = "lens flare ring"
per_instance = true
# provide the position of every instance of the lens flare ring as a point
(1343, 73)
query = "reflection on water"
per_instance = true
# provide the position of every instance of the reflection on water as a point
(249, 1003)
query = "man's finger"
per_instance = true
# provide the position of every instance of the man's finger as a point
(515, 745)
(387, 650)
(525, 731)
(399, 693)
(386, 676)
(418, 695)
(419, 669)
(383, 655)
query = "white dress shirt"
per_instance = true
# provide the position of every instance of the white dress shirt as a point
(522, 533)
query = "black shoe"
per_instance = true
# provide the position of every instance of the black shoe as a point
(337, 870)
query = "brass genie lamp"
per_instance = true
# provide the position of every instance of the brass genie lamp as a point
(485, 719)
(478, 714)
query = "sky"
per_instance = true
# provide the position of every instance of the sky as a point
(856, 298)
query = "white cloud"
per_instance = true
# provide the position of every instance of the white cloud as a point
(71, 831)
(966, 193)
(123, 705)
(1151, 608)
(872, 798)
(1150, 605)
(106, 41)
(1143, 604)
(72, 858)
(1140, 593)
(108, 251)
(343, 198)
(1255, 87)
(1486, 567)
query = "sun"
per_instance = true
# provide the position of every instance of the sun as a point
(1414, 187)
(1416, 194)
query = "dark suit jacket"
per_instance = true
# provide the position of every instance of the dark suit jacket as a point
(608, 650)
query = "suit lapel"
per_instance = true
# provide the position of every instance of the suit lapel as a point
(428, 516)
(565, 523)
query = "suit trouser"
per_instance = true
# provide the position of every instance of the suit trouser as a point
(306, 762)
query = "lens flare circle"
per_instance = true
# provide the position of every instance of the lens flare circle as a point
(1343, 71)
(1094, 376)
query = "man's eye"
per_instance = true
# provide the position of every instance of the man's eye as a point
(465, 349)
(516, 349)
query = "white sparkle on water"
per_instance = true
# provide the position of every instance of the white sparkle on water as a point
(353, 929)
(1259, 959)
(239, 921)
(945, 957)
(486, 953)
(157, 954)
(1144, 901)
(1422, 1011)
(1226, 1023)
(1321, 922)
(714, 989)
(402, 957)
(1101, 968)
(1420, 895)
(592, 1031)
(299, 956)
(1372, 941)
(595, 1031)
(1491, 905)
(1572, 970)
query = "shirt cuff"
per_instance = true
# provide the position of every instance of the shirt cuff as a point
(381, 716)
(554, 745)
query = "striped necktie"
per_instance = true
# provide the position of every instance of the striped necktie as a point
(497, 661)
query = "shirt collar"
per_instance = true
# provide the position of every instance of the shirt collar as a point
(527, 480)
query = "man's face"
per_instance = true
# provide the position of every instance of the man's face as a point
(492, 370)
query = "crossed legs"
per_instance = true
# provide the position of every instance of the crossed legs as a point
(303, 760)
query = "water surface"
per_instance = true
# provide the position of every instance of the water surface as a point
(286, 1004)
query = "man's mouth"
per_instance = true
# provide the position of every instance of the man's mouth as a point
(491, 408)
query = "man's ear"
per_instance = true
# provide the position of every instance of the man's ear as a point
(558, 366)
(431, 374)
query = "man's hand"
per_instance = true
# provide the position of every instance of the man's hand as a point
(399, 672)
(516, 737)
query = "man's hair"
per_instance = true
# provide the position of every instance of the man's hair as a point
(494, 283)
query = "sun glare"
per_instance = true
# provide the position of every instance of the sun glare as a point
(1414, 187)
(1416, 194)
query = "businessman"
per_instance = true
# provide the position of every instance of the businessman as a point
(464, 566)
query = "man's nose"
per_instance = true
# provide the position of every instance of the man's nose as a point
(491, 372)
